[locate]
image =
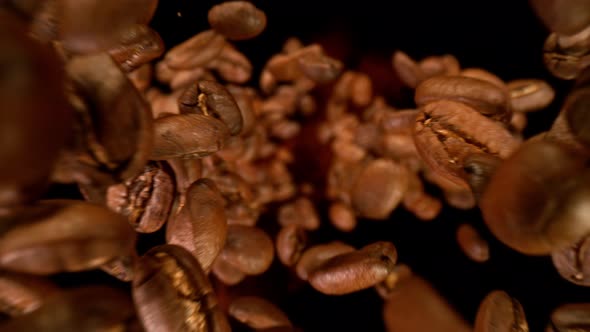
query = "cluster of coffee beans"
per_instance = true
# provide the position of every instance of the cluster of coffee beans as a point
(177, 142)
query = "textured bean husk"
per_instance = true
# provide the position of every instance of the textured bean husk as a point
(248, 249)
(137, 46)
(171, 292)
(416, 306)
(483, 96)
(200, 225)
(257, 313)
(64, 236)
(379, 188)
(563, 16)
(90, 26)
(35, 118)
(94, 308)
(237, 20)
(115, 123)
(465, 132)
(188, 136)
(290, 243)
(498, 312)
(351, 272)
(210, 96)
(570, 318)
(472, 244)
(573, 262)
(21, 293)
(195, 52)
(544, 210)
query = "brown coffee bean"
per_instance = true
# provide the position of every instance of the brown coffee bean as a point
(137, 46)
(379, 188)
(186, 172)
(567, 17)
(299, 212)
(290, 243)
(35, 120)
(530, 95)
(447, 132)
(226, 273)
(573, 262)
(245, 98)
(195, 52)
(232, 65)
(257, 313)
(570, 318)
(342, 217)
(415, 305)
(351, 272)
(472, 244)
(483, 75)
(92, 26)
(145, 200)
(237, 20)
(485, 97)
(108, 310)
(439, 65)
(319, 67)
(21, 294)
(115, 122)
(398, 275)
(407, 69)
(248, 249)
(212, 99)
(64, 236)
(199, 226)
(309, 61)
(315, 256)
(567, 56)
(514, 216)
(498, 312)
(171, 292)
(188, 136)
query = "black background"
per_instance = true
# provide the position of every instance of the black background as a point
(501, 36)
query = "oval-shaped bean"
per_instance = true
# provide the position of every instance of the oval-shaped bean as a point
(290, 243)
(472, 244)
(237, 20)
(226, 273)
(342, 217)
(249, 249)
(64, 236)
(407, 69)
(137, 46)
(529, 95)
(196, 51)
(351, 272)
(200, 226)
(573, 262)
(570, 318)
(171, 292)
(300, 212)
(498, 312)
(188, 136)
(315, 256)
(257, 313)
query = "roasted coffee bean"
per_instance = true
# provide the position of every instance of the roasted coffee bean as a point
(212, 99)
(91, 26)
(447, 132)
(439, 65)
(194, 52)
(415, 305)
(237, 20)
(514, 216)
(64, 236)
(200, 225)
(530, 95)
(299, 212)
(231, 65)
(227, 273)
(248, 249)
(309, 61)
(563, 16)
(83, 309)
(21, 294)
(342, 217)
(188, 136)
(35, 118)
(407, 69)
(472, 244)
(567, 56)
(484, 97)
(257, 313)
(290, 243)
(483, 75)
(570, 318)
(498, 312)
(315, 256)
(145, 200)
(115, 122)
(171, 292)
(379, 188)
(350, 272)
(137, 46)
(573, 262)
(186, 171)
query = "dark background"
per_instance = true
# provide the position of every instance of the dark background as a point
(503, 37)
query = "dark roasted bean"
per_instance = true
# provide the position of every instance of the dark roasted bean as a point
(290, 243)
(498, 312)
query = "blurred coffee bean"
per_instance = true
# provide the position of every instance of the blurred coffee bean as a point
(472, 244)
(237, 20)
(257, 313)
(498, 312)
(530, 95)
(573, 262)
(570, 318)
(21, 294)
(290, 243)
(248, 249)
